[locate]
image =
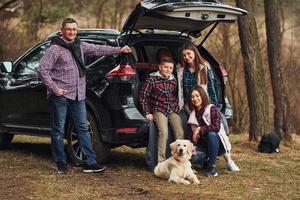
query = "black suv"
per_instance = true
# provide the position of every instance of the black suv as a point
(113, 82)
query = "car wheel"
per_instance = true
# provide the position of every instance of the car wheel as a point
(5, 140)
(101, 149)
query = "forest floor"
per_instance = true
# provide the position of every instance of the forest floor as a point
(27, 172)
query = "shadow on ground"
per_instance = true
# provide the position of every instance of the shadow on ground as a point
(125, 156)
(40, 148)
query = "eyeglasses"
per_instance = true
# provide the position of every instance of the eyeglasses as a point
(70, 29)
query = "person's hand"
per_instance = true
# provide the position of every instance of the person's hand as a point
(149, 117)
(126, 49)
(60, 92)
(196, 137)
(194, 152)
(196, 134)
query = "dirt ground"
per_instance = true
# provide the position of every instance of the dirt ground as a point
(27, 172)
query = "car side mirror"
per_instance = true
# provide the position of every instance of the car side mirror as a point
(6, 67)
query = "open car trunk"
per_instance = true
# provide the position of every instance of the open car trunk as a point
(189, 16)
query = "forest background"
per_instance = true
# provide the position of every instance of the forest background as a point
(27, 171)
(25, 22)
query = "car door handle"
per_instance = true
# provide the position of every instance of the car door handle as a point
(34, 84)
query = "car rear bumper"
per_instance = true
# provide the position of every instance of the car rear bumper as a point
(136, 137)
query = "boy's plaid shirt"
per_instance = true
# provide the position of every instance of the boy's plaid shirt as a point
(158, 95)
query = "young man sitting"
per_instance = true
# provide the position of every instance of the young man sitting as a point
(159, 103)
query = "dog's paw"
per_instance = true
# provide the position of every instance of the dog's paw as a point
(196, 182)
(186, 182)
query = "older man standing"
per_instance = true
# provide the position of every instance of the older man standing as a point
(62, 71)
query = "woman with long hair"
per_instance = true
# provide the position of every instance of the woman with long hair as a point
(194, 70)
(208, 133)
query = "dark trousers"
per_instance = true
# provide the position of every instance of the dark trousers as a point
(208, 148)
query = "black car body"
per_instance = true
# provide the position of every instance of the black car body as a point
(113, 82)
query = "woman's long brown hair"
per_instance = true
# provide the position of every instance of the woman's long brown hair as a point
(203, 94)
(198, 60)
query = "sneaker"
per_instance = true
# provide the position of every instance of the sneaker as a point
(62, 168)
(205, 165)
(94, 168)
(231, 166)
(211, 171)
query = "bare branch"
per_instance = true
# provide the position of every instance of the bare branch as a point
(7, 4)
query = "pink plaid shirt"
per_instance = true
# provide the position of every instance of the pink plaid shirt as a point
(58, 69)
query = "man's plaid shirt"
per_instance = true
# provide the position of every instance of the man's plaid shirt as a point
(158, 95)
(58, 69)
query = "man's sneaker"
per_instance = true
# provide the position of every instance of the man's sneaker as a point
(211, 171)
(62, 168)
(94, 168)
(231, 166)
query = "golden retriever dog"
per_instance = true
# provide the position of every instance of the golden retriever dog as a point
(178, 168)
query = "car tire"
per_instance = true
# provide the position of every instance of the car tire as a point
(101, 149)
(5, 140)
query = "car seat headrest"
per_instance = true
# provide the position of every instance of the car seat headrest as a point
(162, 52)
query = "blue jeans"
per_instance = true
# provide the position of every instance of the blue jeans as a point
(208, 148)
(60, 107)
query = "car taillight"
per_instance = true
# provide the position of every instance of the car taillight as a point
(126, 130)
(122, 71)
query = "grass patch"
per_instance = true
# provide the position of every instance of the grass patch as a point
(27, 172)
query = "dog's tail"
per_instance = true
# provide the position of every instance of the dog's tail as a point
(157, 170)
(162, 171)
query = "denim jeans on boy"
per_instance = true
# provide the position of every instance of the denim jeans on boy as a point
(60, 106)
(208, 148)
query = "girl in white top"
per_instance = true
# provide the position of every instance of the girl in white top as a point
(208, 133)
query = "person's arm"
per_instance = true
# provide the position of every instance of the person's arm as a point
(196, 132)
(103, 50)
(144, 98)
(46, 65)
(215, 121)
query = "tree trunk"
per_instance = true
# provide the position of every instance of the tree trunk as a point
(281, 114)
(99, 11)
(115, 15)
(122, 8)
(33, 13)
(254, 73)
